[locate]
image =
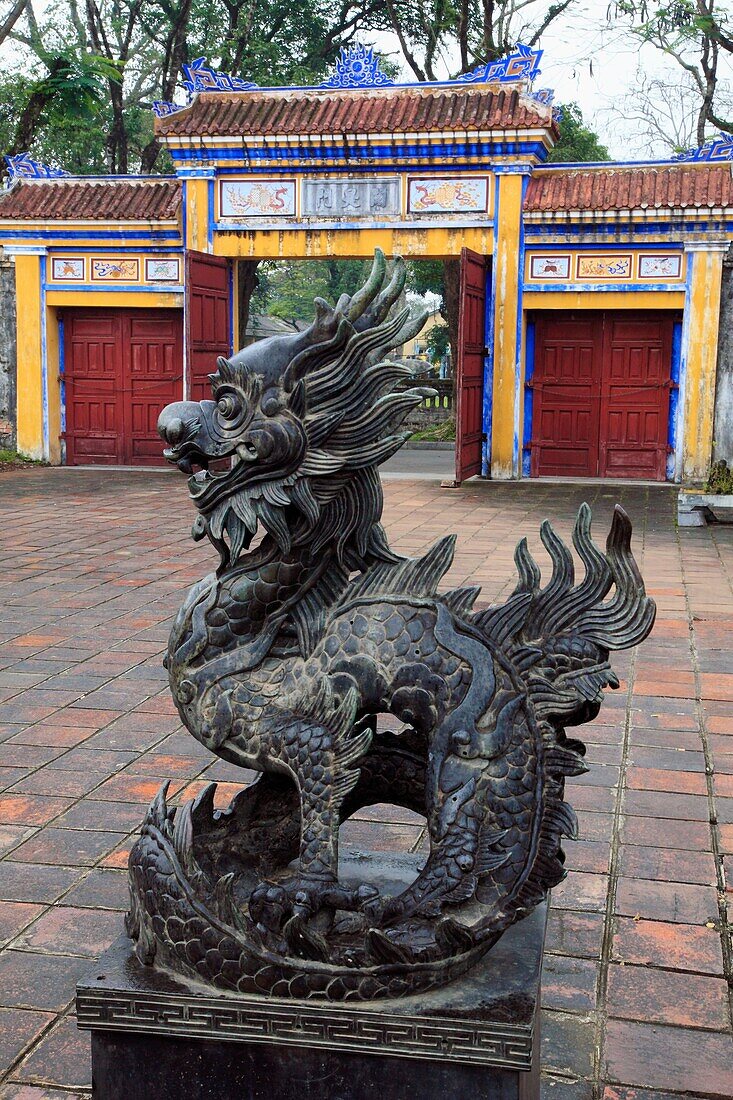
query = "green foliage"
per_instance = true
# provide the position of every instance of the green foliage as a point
(577, 141)
(437, 433)
(438, 342)
(287, 288)
(11, 459)
(720, 479)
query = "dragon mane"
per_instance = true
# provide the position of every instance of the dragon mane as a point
(349, 404)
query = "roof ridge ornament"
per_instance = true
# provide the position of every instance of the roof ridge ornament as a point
(357, 67)
(23, 167)
(719, 148)
(162, 108)
(199, 76)
(523, 64)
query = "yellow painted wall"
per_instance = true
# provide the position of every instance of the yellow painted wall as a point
(118, 300)
(433, 242)
(29, 377)
(506, 281)
(701, 360)
(54, 387)
(197, 214)
(604, 299)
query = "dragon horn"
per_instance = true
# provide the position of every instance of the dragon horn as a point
(364, 297)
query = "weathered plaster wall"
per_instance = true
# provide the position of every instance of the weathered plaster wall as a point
(723, 428)
(7, 354)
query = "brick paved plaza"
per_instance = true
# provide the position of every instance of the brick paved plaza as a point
(94, 564)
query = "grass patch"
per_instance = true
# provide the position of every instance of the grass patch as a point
(437, 433)
(720, 479)
(12, 460)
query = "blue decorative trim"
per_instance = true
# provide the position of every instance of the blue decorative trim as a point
(719, 148)
(545, 96)
(517, 441)
(22, 167)
(674, 397)
(585, 246)
(585, 288)
(210, 214)
(685, 338)
(44, 365)
(248, 156)
(357, 67)
(200, 77)
(536, 231)
(62, 378)
(529, 352)
(127, 288)
(90, 235)
(161, 108)
(488, 394)
(116, 248)
(523, 64)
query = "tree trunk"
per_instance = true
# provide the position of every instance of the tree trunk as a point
(451, 307)
(248, 283)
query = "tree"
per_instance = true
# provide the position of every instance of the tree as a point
(663, 113)
(699, 36)
(577, 142)
(435, 35)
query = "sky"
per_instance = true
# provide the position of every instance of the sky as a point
(594, 63)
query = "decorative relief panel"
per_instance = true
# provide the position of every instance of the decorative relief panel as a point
(162, 270)
(110, 271)
(257, 198)
(549, 267)
(448, 195)
(663, 265)
(606, 267)
(68, 269)
(351, 198)
(612, 266)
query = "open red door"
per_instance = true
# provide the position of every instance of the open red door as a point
(470, 366)
(208, 319)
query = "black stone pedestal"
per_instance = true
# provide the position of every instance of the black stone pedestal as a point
(156, 1036)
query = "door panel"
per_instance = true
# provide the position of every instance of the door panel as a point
(566, 387)
(121, 367)
(92, 371)
(207, 319)
(635, 397)
(470, 366)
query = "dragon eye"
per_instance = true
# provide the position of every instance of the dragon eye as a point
(228, 406)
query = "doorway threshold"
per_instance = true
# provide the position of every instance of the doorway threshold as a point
(612, 482)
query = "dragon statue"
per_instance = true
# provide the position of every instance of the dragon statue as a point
(282, 658)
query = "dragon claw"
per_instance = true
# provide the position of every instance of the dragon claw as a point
(293, 902)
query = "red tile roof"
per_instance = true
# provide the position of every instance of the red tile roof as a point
(383, 111)
(669, 186)
(146, 200)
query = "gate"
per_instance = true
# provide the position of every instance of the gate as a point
(470, 366)
(121, 366)
(208, 319)
(601, 395)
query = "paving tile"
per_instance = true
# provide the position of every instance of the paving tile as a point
(574, 933)
(692, 836)
(30, 980)
(105, 816)
(668, 1058)
(667, 997)
(101, 889)
(16, 809)
(63, 1057)
(674, 946)
(68, 847)
(13, 835)
(31, 882)
(18, 1029)
(58, 781)
(15, 915)
(32, 1092)
(581, 891)
(623, 1092)
(569, 984)
(567, 1043)
(667, 864)
(65, 930)
(681, 903)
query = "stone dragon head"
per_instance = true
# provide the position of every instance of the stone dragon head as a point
(304, 421)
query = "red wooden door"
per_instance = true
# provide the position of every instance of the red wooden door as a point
(566, 386)
(601, 394)
(208, 319)
(470, 366)
(635, 396)
(121, 366)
